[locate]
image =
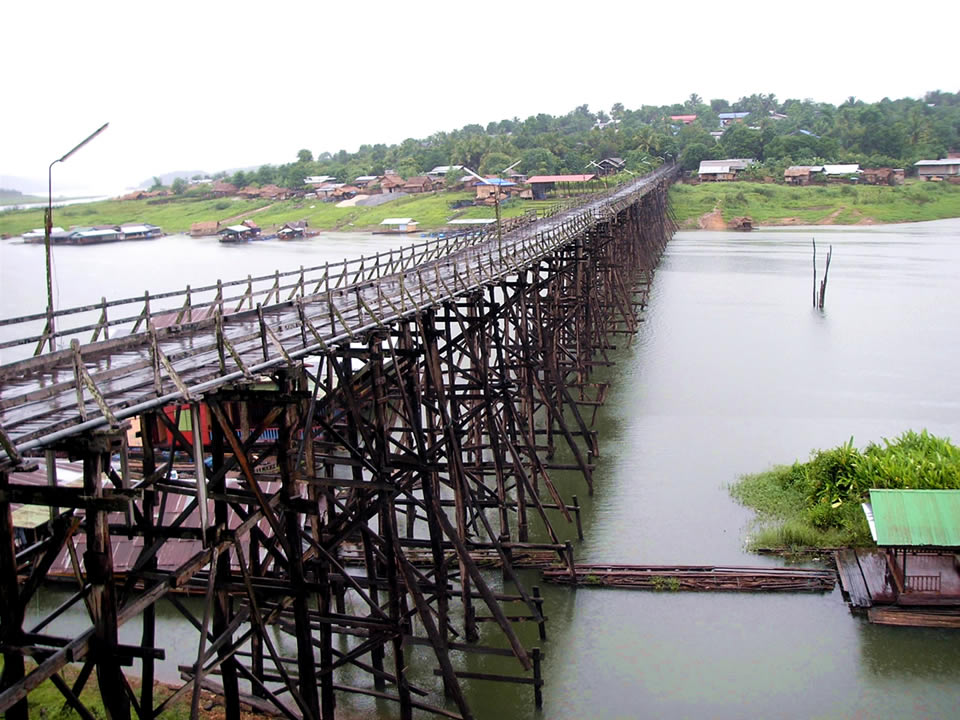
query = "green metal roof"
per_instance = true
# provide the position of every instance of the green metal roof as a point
(910, 518)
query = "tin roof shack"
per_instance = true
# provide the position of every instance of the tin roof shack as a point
(440, 171)
(274, 192)
(542, 184)
(205, 228)
(801, 174)
(849, 173)
(919, 534)
(393, 226)
(722, 170)
(253, 227)
(938, 169)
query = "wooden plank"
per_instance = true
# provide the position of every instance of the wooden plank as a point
(851, 579)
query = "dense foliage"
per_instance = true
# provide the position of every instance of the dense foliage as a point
(817, 503)
(886, 133)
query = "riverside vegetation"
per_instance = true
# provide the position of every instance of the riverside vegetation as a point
(816, 504)
(769, 204)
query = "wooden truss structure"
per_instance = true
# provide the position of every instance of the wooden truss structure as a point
(354, 454)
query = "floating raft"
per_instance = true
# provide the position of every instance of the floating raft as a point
(709, 578)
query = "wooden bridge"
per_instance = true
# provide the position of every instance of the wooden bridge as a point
(330, 454)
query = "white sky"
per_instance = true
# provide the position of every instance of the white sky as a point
(209, 85)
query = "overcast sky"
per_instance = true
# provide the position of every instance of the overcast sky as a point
(205, 85)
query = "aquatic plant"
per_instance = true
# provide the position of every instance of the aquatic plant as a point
(817, 503)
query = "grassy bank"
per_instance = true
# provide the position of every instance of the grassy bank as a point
(770, 204)
(817, 503)
(432, 210)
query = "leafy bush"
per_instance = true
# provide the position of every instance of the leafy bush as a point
(817, 503)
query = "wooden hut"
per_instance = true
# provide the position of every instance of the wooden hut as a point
(918, 532)
(392, 184)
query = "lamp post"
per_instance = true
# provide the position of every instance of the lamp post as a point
(48, 227)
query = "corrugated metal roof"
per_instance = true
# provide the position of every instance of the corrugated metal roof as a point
(912, 518)
(468, 221)
(396, 221)
(560, 178)
(841, 169)
(944, 161)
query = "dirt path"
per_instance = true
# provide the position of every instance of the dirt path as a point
(247, 214)
(712, 220)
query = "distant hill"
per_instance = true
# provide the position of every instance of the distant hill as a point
(23, 185)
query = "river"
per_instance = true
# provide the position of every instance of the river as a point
(732, 372)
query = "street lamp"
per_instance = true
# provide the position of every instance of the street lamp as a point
(48, 226)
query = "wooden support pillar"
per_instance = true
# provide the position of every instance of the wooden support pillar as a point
(148, 431)
(223, 602)
(98, 562)
(11, 611)
(306, 666)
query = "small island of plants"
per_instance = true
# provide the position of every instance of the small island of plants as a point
(816, 504)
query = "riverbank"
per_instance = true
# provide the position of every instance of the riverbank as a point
(431, 210)
(709, 206)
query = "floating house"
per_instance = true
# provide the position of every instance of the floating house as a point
(295, 230)
(38, 235)
(236, 234)
(141, 232)
(913, 575)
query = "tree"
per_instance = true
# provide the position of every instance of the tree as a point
(692, 155)
(157, 184)
(494, 163)
(178, 186)
(239, 179)
(304, 156)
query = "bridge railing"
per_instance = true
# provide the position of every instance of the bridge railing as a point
(19, 336)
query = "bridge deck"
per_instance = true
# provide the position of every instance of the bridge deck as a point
(87, 386)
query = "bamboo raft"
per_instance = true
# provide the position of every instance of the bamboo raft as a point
(700, 578)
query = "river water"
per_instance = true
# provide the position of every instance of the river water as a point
(732, 372)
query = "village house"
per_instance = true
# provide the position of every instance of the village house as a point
(939, 169)
(801, 174)
(420, 184)
(223, 189)
(882, 176)
(392, 184)
(273, 192)
(249, 192)
(722, 170)
(728, 118)
(493, 190)
(685, 119)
